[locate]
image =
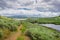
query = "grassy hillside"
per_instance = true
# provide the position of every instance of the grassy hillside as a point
(34, 31)
(38, 32)
(7, 25)
(52, 20)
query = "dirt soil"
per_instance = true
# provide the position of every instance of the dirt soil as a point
(15, 35)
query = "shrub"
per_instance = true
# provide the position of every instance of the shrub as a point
(1, 34)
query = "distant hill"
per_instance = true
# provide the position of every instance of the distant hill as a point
(17, 16)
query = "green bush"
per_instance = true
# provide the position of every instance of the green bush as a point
(52, 20)
(38, 32)
(8, 24)
(1, 34)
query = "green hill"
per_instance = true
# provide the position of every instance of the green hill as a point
(50, 20)
(7, 25)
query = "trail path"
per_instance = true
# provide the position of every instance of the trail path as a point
(15, 35)
(27, 38)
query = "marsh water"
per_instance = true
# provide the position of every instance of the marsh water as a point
(20, 18)
(57, 27)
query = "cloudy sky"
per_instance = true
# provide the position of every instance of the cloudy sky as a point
(30, 7)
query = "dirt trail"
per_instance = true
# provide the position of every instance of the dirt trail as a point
(27, 38)
(15, 35)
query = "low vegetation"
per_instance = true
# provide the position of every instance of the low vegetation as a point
(38, 32)
(20, 38)
(7, 25)
(31, 28)
(51, 20)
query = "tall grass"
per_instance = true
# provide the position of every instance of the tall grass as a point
(52, 20)
(38, 32)
(7, 25)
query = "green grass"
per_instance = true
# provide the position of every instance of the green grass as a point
(20, 38)
(7, 25)
(34, 31)
(52, 20)
(38, 32)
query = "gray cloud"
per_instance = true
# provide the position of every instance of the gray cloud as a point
(28, 13)
(54, 3)
(39, 5)
(2, 4)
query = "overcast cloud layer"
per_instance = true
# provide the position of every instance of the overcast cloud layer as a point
(30, 7)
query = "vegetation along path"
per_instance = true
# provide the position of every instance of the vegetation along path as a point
(15, 35)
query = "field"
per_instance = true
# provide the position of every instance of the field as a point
(51, 20)
(28, 29)
(38, 32)
(7, 25)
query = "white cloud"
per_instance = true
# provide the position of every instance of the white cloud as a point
(50, 5)
(27, 12)
(42, 7)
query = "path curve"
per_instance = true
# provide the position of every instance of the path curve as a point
(15, 35)
(27, 38)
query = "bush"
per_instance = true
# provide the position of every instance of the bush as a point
(7, 25)
(1, 34)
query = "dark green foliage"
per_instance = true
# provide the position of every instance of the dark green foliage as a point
(38, 32)
(1, 34)
(52, 20)
(8, 25)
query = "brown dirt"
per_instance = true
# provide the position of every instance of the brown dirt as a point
(15, 35)
(27, 38)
